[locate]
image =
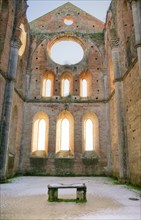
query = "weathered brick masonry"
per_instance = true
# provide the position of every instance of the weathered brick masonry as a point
(112, 67)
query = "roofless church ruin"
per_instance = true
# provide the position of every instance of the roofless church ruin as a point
(79, 116)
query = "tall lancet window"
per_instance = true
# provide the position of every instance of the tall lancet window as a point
(65, 134)
(66, 87)
(84, 88)
(48, 88)
(41, 134)
(40, 130)
(48, 84)
(90, 132)
(89, 135)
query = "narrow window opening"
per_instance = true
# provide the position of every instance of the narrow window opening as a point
(89, 135)
(66, 87)
(65, 135)
(84, 88)
(41, 134)
(48, 88)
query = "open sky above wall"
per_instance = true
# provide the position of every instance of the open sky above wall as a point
(97, 8)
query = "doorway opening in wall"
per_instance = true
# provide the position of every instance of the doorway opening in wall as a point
(66, 52)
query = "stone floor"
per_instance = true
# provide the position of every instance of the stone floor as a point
(25, 198)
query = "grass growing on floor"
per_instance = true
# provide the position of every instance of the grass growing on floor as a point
(68, 200)
(133, 187)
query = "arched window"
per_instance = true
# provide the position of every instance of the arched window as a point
(66, 87)
(23, 40)
(84, 88)
(65, 133)
(48, 87)
(90, 132)
(40, 131)
(41, 134)
(65, 130)
(48, 84)
(85, 84)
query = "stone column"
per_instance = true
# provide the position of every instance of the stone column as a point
(7, 107)
(119, 111)
(136, 11)
(107, 124)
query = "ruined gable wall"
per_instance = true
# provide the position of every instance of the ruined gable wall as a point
(43, 34)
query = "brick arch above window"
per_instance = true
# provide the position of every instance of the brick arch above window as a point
(65, 115)
(40, 130)
(48, 84)
(66, 81)
(85, 84)
(95, 132)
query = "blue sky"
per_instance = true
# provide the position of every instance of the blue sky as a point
(97, 8)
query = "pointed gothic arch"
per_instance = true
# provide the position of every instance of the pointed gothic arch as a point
(85, 84)
(48, 84)
(65, 132)
(90, 132)
(40, 130)
(66, 84)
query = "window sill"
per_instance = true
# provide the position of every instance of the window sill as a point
(39, 153)
(64, 154)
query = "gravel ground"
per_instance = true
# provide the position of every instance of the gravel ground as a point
(26, 198)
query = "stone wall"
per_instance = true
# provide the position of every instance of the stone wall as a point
(132, 94)
(120, 22)
(115, 96)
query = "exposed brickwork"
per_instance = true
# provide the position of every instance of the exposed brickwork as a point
(105, 92)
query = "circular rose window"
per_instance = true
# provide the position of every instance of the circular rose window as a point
(66, 52)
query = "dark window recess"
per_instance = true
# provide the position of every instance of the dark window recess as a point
(92, 46)
(37, 68)
(76, 90)
(35, 97)
(56, 97)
